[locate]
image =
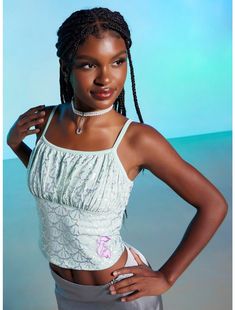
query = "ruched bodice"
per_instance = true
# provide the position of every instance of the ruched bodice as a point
(81, 197)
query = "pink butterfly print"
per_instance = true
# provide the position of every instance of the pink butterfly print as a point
(102, 248)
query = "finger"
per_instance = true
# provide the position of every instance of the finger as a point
(34, 117)
(36, 108)
(128, 289)
(132, 296)
(124, 282)
(137, 257)
(30, 132)
(125, 270)
(35, 122)
(32, 111)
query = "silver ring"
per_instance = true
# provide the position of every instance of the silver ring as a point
(112, 282)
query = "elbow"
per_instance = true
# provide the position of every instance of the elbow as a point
(223, 210)
(218, 212)
(215, 211)
(222, 207)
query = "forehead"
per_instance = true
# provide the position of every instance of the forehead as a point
(107, 44)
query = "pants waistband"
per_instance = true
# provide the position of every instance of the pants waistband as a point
(80, 289)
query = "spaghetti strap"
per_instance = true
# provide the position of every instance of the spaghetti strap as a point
(121, 134)
(48, 121)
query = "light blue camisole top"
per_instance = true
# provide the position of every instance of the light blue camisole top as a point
(81, 197)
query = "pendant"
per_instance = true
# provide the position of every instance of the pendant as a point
(80, 125)
(79, 131)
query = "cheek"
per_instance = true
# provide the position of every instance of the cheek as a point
(81, 81)
(124, 72)
(120, 76)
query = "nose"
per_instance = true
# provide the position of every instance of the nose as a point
(103, 77)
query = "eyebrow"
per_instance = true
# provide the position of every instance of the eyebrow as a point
(90, 57)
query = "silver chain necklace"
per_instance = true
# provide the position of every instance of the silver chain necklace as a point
(80, 123)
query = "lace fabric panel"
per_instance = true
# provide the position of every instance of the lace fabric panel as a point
(80, 199)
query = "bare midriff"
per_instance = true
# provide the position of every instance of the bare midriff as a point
(90, 277)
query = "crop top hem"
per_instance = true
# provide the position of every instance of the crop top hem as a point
(74, 267)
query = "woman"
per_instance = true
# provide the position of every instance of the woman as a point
(83, 167)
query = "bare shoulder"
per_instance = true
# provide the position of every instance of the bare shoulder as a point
(154, 151)
(48, 110)
(146, 136)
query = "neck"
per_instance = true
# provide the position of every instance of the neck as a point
(80, 107)
(82, 113)
(94, 120)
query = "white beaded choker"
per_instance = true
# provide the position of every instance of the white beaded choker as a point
(84, 114)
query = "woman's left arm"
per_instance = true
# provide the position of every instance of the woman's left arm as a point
(165, 163)
(158, 156)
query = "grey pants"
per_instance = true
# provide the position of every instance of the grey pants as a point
(73, 296)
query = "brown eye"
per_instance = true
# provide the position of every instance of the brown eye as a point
(85, 65)
(89, 66)
(120, 61)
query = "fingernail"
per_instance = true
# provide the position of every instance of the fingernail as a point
(123, 299)
(113, 292)
(115, 273)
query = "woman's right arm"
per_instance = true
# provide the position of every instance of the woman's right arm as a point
(20, 129)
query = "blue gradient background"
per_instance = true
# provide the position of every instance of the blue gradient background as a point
(181, 54)
(182, 59)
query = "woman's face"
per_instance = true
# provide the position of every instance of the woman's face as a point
(99, 64)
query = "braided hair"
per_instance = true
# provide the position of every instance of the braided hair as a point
(74, 31)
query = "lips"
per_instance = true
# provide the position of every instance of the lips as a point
(103, 94)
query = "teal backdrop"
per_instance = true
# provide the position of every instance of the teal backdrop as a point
(182, 59)
(181, 54)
